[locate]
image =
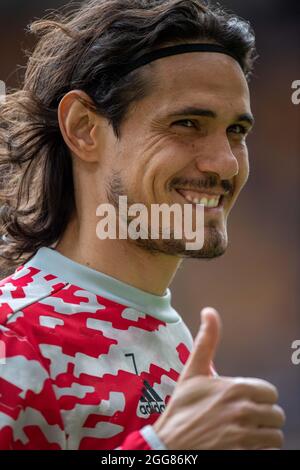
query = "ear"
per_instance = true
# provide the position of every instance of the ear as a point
(79, 125)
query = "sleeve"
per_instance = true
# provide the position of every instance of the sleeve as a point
(145, 439)
(29, 414)
(30, 418)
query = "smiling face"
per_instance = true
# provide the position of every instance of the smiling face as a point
(186, 143)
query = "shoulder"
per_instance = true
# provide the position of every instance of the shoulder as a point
(26, 286)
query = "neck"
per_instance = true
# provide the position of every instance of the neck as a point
(120, 259)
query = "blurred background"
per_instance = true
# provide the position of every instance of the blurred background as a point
(255, 284)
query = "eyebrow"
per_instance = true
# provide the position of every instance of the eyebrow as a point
(245, 117)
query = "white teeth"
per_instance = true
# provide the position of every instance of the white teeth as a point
(204, 201)
(213, 202)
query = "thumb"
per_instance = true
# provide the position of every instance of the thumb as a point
(205, 345)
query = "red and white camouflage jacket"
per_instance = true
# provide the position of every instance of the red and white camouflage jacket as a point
(87, 361)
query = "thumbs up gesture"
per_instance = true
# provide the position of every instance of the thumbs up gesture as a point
(209, 412)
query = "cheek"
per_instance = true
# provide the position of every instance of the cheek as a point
(243, 175)
(164, 165)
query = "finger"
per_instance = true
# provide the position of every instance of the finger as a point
(269, 416)
(256, 390)
(261, 415)
(205, 345)
(264, 438)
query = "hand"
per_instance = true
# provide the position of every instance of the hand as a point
(206, 413)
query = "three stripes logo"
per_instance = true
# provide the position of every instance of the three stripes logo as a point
(150, 402)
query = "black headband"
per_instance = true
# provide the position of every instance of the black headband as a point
(175, 50)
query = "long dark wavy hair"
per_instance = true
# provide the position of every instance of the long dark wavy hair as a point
(85, 47)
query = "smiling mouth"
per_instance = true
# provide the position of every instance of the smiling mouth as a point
(209, 201)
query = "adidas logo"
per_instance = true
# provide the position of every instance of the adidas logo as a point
(150, 401)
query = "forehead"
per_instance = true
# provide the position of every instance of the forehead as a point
(200, 79)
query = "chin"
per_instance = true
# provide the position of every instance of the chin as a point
(215, 245)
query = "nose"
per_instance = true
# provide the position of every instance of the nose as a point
(217, 157)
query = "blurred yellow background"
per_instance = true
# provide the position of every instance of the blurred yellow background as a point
(255, 286)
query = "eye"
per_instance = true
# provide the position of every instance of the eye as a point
(238, 129)
(185, 123)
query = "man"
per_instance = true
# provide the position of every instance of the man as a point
(147, 99)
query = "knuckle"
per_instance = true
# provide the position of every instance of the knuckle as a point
(237, 387)
(243, 410)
